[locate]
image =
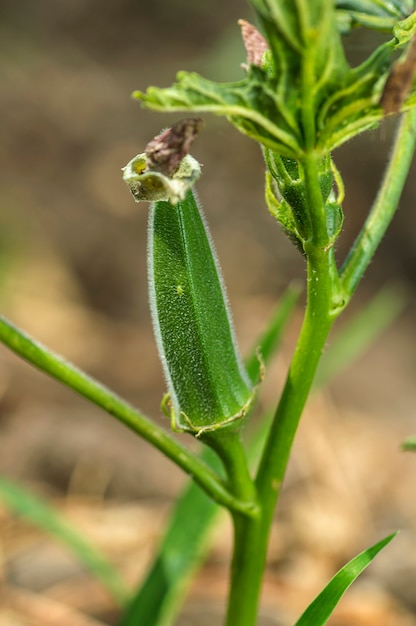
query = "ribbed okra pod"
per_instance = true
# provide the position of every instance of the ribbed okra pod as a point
(208, 385)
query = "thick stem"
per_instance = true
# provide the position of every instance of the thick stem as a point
(251, 536)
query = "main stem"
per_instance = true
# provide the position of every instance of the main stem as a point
(251, 536)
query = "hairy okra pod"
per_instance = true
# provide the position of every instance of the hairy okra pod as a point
(208, 385)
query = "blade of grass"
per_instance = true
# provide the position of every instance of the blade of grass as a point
(319, 611)
(179, 556)
(36, 511)
(409, 444)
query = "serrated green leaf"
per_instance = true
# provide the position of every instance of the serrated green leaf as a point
(355, 107)
(380, 15)
(319, 611)
(38, 512)
(253, 105)
(269, 105)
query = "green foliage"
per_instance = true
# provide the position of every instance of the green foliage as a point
(382, 15)
(318, 613)
(409, 444)
(33, 509)
(307, 95)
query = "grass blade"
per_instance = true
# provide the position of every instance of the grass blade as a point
(409, 444)
(36, 511)
(180, 553)
(319, 611)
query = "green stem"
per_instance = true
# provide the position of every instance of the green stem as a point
(244, 556)
(72, 377)
(327, 296)
(384, 206)
(251, 536)
(234, 457)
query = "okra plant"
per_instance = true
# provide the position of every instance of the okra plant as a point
(299, 100)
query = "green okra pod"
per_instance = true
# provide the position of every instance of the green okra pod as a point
(208, 385)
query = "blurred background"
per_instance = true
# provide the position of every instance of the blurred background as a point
(73, 274)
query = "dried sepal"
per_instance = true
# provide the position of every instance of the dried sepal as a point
(165, 152)
(165, 171)
(254, 43)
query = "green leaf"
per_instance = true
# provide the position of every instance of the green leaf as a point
(380, 15)
(319, 611)
(306, 57)
(304, 94)
(186, 537)
(409, 444)
(355, 106)
(38, 512)
(254, 106)
(303, 40)
(208, 385)
(179, 555)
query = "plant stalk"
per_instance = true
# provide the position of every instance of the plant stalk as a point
(59, 369)
(251, 537)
